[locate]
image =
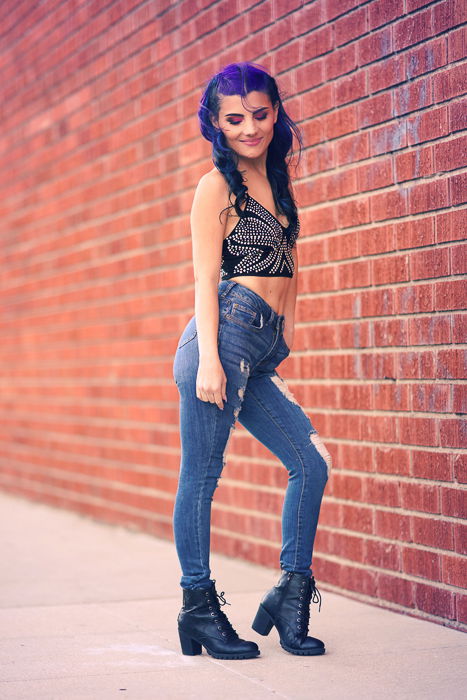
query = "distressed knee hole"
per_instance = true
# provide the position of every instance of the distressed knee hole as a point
(283, 388)
(318, 443)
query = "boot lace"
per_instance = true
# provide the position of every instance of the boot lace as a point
(308, 593)
(220, 618)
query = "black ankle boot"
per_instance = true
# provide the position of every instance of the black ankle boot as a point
(287, 606)
(201, 622)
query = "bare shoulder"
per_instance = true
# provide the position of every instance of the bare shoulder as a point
(214, 186)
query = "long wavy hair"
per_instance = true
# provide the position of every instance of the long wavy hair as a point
(240, 79)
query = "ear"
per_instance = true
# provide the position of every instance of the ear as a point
(276, 110)
(214, 121)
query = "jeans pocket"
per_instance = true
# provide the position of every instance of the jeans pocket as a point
(244, 316)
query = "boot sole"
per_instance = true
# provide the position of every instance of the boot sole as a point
(263, 624)
(303, 652)
(191, 647)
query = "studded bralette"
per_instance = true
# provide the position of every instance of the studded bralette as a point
(258, 245)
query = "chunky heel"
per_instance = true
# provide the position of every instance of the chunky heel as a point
(263, 622)
(190, 647)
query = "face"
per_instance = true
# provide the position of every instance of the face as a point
(248, 132)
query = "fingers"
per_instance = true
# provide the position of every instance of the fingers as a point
(216, 397)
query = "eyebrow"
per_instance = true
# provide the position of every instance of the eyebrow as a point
(231, 114)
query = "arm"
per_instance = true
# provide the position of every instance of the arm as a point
(207, 232)
(290, 302)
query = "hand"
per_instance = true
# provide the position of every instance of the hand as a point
(211, 381)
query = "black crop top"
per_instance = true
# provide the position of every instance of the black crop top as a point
(258, 245)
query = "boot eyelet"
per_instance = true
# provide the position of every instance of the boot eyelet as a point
(224, 634)
(300, 605)
(213, 614)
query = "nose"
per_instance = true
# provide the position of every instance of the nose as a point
(250, 128)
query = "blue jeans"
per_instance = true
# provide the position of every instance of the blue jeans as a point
(251, 346)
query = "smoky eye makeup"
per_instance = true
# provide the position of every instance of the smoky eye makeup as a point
(236, 120)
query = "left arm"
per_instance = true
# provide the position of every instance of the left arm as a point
(289, 308)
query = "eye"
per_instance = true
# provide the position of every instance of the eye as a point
(232, 122)
(263, 116)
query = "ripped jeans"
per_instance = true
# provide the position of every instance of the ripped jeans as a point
(251, 345)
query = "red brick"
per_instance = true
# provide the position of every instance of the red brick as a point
(390, 71)
(457, 115)
(384, 555)
(453, 502)
(415, 299)
(350, 88)
(431, 124)
(390, 332)
(351, 149)
(387, 205)
(426, 58)
(429, 263)
(412, 234)
(449, 155)
(454, 570)
(390, 269)
(435, 601)
(412, 29)
(389, 137)
(392, 525)
(375, 45)
(350, 26)
(451, 363)
(382, 492)
(433, 533)
(450, 295)
(348, 546)
(431, 398)
(458, 188)
(396, 589)
(353, 212)
(430, 330)
(410, 165)
(347, 487)
(457, 44)
(451, 225)
(375, 175)
(421, 562)
(391, 460)
(428, 196)
(422, 497)
(352, 395)
(357, 518)
(340, 61)
(448, 14)
(459, 328)
(452, 433)
(459, 259)
(460, 538)
(341, 121)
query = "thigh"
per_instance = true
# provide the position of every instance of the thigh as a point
(272, 414)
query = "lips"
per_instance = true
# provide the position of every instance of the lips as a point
(252, 143)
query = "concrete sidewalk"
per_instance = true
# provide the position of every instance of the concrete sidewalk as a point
(89, 610)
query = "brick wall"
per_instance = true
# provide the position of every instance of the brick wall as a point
(100, 156)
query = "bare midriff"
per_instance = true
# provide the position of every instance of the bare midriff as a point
(272, 289)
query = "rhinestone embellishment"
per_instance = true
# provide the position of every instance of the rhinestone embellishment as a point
(258, 245)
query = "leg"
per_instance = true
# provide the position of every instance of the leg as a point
(271, 413)
(205, 430)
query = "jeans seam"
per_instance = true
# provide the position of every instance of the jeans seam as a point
(302, 465)
(202, 489)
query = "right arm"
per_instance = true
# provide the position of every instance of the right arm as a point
(207, 231)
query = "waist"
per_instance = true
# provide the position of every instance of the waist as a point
(231, 288)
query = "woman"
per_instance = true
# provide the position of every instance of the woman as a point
(225, 362)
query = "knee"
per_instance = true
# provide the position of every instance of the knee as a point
(316, 440)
